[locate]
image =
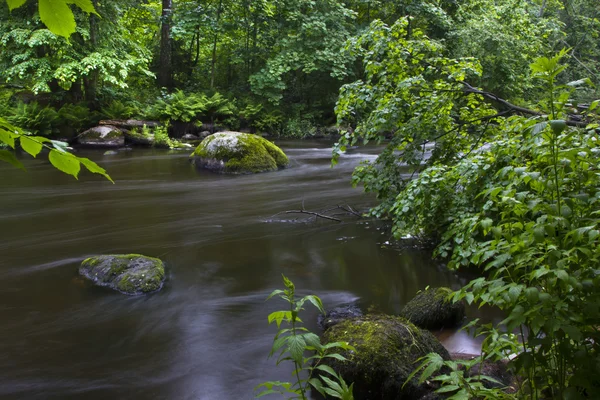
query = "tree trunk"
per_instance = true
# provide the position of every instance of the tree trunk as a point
(214, 49)
(165, 68)
(90, 83)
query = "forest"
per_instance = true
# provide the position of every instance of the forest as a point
(485, 115)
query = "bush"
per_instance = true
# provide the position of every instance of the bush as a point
(34, 118)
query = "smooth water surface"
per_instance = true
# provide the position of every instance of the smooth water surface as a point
(205, 335)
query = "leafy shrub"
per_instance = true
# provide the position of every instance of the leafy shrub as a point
(34, 118)
(76, 116)
(524, 208)
(218, 106)
(298, 128)
(119, 110)
(179, 106)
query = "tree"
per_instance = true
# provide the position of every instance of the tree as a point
(165, 74)
(11, 135)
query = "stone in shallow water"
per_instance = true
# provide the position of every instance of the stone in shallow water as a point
(102, 137)
(127, 273)
(238, 153)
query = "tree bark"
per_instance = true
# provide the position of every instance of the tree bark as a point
(214, 49)
(90, 83)
(165, 69)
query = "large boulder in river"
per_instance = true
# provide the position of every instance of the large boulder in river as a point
(387, 350)
(431, 309)
(238, 153)
(102, 136)
(127, 273)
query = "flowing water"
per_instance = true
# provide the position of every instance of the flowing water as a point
(205, 335)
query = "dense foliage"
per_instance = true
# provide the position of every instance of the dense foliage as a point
(510, 189)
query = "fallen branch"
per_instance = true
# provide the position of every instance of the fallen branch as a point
(322, 214)
(316, 214)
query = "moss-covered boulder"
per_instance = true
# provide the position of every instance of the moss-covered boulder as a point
(431, 309)
(238, 153)
(102, 136)
(126, 273)
(387, 350)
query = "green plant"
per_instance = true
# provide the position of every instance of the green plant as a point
(34, 118)
(161, 137)
(180, 106)
(294, 342)
(59, 157)
(218, 106)
(456, 379)
(299, 128)
(119, 110)
(76, 116)
(525, 209)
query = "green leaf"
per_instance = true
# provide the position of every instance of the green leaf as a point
(65, 162)
(332, 384)
(32, 144)
(7, 138)
(57, 16)
(60, 146)
(12, 4)
(447, 388)
(327, 368)
(279, 316)
(85, 5)
(316, 302)
(274, 293)
(296, 345)
(316, 383)
(10, 158)
(93, 167)
(558, 126)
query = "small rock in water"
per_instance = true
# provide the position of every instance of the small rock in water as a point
(126, 273)
(111, 153)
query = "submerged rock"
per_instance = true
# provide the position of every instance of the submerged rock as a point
(126, 273)
(102, 136)
(238, 153)
(430, 309)
(387, 350)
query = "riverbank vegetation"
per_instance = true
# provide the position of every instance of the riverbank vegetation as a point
(488, 111)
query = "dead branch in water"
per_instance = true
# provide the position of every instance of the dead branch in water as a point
(347, 210)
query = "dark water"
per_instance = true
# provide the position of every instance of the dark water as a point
(205, 335)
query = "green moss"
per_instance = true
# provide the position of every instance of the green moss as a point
(239, 153)
(431, 309)
(127, 273)
(387, 348)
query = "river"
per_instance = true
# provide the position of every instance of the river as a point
(205, 335)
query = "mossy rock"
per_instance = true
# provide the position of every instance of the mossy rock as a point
(431, 309)
(127, 273)
(102, 136)
(138, 138)
(387, 350)
(238, 153)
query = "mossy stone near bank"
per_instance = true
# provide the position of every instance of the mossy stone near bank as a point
(238, 153)
(431, 309)
(127, 273)
(387, 350)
